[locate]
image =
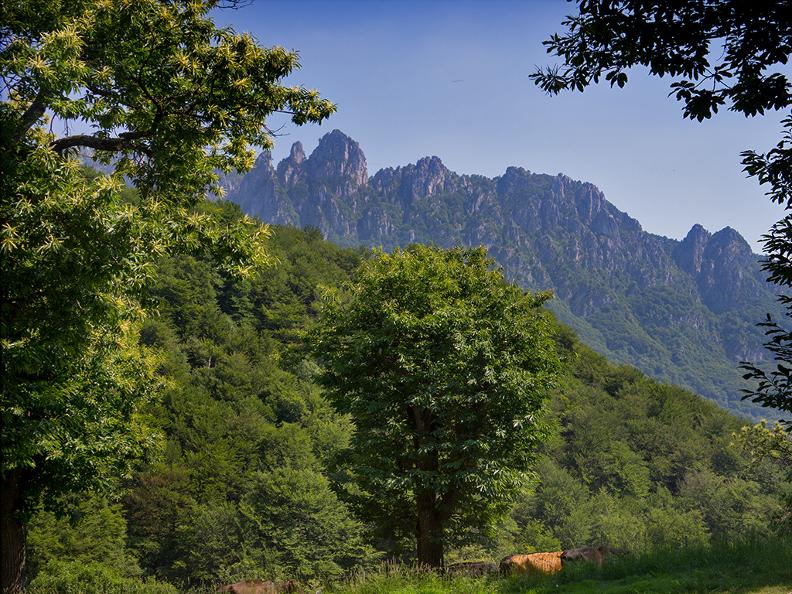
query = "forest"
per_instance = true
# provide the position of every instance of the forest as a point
(251, 478)
(194, 400)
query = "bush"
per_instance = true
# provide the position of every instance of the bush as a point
(73, 577)
(92, 530)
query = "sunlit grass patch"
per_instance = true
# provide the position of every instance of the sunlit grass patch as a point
(753, 566)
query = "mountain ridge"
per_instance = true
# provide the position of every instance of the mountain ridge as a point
(680, 310)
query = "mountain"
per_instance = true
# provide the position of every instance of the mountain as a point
(681, 311)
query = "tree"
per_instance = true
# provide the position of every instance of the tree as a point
(774, 387)
(443, 367)
(718, 53)
(770, 452)
(171, 100)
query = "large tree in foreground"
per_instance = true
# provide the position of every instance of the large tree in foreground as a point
(717, 53)
(170, 99)
(444, 367)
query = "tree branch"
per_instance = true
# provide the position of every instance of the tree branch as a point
(31, 115)
(125, 140)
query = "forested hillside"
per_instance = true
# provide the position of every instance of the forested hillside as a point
(681, 311)
(252, 480)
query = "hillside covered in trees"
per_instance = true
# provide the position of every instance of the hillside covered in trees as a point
(253, 480)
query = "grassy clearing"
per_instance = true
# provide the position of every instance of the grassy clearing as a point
(756, 567)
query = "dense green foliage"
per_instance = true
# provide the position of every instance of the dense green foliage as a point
(94, 531)
(639, 464)
(74, 379)
(242, 489)
(78, 578)
(254, 481)
(85, 551)
(170, 98)
(444, 367)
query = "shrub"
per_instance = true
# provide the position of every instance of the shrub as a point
(73, 577)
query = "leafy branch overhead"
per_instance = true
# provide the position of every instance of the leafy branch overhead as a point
(719, 53)
(157, 82)
(773, 387)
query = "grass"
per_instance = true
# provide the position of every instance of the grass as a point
(761, 566)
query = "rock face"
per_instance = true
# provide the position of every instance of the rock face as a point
(682, 311)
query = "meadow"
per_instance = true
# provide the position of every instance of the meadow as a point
(758, 566)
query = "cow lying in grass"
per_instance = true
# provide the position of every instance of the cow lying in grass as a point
(548, 563)
(262, 587)
(533, 563)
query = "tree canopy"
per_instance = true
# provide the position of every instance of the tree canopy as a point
(718, 52)
(156, 81)
(444, 367)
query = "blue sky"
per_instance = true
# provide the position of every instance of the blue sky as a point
(450, 78)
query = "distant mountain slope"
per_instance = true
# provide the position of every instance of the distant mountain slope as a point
(682, 311)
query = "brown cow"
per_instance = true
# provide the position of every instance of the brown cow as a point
(261, 587)
(590, 554)
(534, 563)
(472, 568)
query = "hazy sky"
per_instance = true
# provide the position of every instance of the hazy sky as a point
(450, 78)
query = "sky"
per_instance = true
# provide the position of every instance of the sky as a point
(450, 78)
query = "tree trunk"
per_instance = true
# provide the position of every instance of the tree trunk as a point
(429, 532)
(12, 534)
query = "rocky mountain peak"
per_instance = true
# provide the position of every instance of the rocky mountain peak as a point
(297, 154)
(430, 164)
(290, 169)
(729, 271)
(422, 179)
(590, 202)
(256, 192)
(427, 177)
(729, 239)
(696, 232)
(511, 179)
(337, 163)
(689, 252)
(264, 160)
(514, 171)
